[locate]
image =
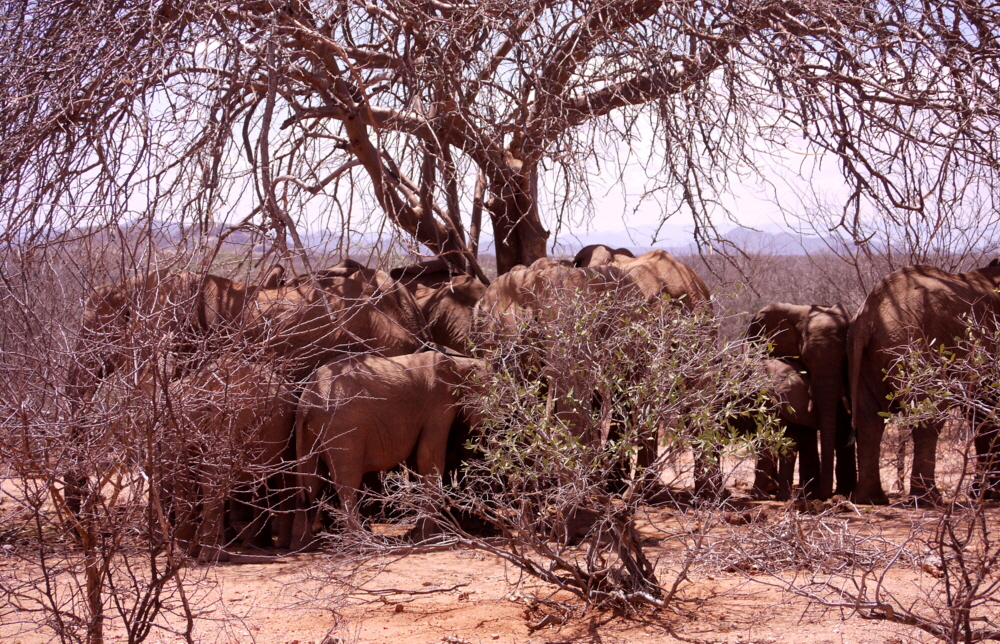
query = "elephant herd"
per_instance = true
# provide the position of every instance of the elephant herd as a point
(352, 370)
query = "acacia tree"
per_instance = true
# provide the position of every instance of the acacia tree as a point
(438, 110)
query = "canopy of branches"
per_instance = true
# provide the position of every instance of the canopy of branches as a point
(431, 112)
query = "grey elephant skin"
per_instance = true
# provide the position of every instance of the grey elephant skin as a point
(427, 274)
(790, 397)
(521, 302)
(448, 310)
(304, 326)
(153, 305)
(241, 415)
(369, 414)
(446, 299)
(517, 297)
(655, 272)
(816, 337)
(298, 325)
(912, 305)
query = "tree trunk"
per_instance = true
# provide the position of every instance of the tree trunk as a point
(519, 237)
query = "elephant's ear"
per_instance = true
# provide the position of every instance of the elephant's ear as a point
(273, 278)
(842, 311)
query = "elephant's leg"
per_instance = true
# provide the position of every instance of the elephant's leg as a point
(619, 473)
(283, 488)
(183, 509)
(345, 464)
(213, 497)
(282, 521)
(348, 495)
(765, 475)
(785, 475)
(432, 450)
(826, 400)
(620, 469)
(309, 485)
(847, 469)
(925, 438)
(987, 484)
(251, 513)
(708, 478)
(347, 482)
(869, 428)
(649, 443)
(806, 444)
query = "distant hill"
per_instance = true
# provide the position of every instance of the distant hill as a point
(358, 245)
(781, 243)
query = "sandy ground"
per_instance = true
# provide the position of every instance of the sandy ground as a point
(469, 597)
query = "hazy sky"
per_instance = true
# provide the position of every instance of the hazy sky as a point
(792, 179)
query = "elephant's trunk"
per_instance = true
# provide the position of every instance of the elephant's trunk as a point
(826, 390)
(826, 397)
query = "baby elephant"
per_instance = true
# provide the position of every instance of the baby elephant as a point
(795, 412)
(230, 432)
(369, 414)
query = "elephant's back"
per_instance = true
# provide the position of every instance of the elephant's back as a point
(448, 311)
(242, 395)
(373, 387)
(393, 317)
(914, 304)
(600, 255)
(925, 302)
(676, 279)
(501, 300)
(563, 281)
(778, 324)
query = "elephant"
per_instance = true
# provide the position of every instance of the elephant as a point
(520, 305)
(816, 336)
(431, 274)
(356, 309)
(600, 255)
(656, 273)
(543, 263)
(369, 414)
(229, 430)
(448, 310)
(374, 312)
(915, 305)
(154, 305)
(294, 325)
(520, 295)
(794, 410)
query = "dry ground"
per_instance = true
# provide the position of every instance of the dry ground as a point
(467, 596)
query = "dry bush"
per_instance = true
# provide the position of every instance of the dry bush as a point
(116, 552)
(846, 563)
(569, 401)
(955, 544)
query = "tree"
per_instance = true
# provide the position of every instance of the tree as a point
(171, 108)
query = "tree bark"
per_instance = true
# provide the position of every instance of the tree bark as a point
(519, 237)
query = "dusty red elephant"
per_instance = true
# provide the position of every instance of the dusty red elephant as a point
(916, 304)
